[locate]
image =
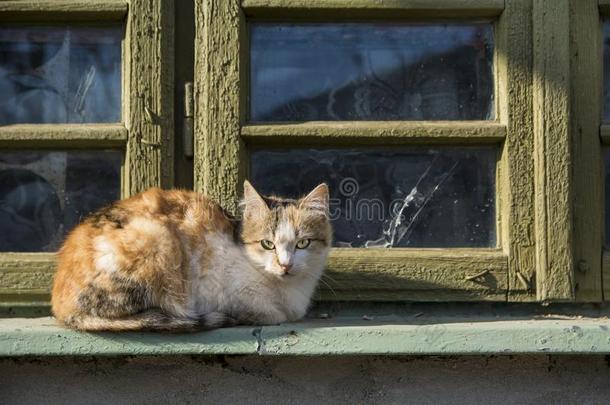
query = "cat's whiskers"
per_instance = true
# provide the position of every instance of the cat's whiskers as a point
(320, 279)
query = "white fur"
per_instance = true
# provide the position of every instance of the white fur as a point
(238, 286)
(284, 255)
(105, 259)
(285, 240)
(285, 233)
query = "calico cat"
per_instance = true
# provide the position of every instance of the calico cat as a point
(174, 261)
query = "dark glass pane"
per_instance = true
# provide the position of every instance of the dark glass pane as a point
(302, 72)
(60, 75)
(606, 107)
(414, 197)
(607, 191)
(43, 195)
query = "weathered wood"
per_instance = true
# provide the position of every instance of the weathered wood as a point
(26, 277)
(422, 274)
(587, 178)
(516, 166)
(352, 274)
(25, 309)
(553, 151)
(63, 136)
(184, 70)
(337, 9)
(53, 11)
(148, 102)
(444, 294)
(382, 132)
(221, 161)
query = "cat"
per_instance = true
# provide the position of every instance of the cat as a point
(173, 260)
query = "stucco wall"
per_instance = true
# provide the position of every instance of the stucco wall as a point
(339, 380)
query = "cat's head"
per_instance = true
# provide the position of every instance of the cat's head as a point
(287, 237)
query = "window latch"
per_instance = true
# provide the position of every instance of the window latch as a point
(188, 130)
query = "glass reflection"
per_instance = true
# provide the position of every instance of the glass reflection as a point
(414, 197)
(302, 72)
(60, 75)
(607, 195)
(43, 195)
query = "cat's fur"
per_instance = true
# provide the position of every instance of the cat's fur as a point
(172, 260)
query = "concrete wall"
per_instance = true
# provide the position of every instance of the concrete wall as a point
(338, 380)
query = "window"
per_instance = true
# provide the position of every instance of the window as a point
(84, 120)
(464, 141)
(404, 109)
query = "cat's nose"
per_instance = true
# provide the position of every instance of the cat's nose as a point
(286, 268)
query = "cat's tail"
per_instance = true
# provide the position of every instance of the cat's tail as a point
(151, 320)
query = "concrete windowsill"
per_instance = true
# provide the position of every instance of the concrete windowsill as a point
(416, 334)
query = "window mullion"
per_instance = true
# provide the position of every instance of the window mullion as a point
(515, 168)
(221, 161)
(553, 160)
(585, 80)
(148, 102)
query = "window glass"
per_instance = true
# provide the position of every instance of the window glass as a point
(607, 188)
(412, 197)
(606, 107)
(60, 74)
(362, 71)
(43, 195)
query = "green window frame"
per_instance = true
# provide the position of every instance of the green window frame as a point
(548, 130)
(591, 150)
(145, 133)
(223, 138)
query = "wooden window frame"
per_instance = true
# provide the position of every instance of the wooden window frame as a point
(519, 269)
(581, 84)
(145, 133)
(548, 130)
(590, 226)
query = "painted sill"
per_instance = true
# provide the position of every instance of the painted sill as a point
(347, 335)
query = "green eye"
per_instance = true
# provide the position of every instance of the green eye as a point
(303, 243)
(267, 244)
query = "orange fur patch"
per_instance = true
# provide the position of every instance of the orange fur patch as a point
(137, 242)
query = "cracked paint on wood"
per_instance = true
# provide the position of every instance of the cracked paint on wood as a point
(220, 152)
(516, 166)
(553, 160)
(587, 174)
(62, 10)
(148, 99)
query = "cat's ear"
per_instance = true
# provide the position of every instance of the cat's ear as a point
(255, 206)
(317, 199)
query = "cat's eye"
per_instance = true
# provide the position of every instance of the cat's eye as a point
(303, 243)
(267, 244)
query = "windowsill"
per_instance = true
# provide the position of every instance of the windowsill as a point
(347, 333)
